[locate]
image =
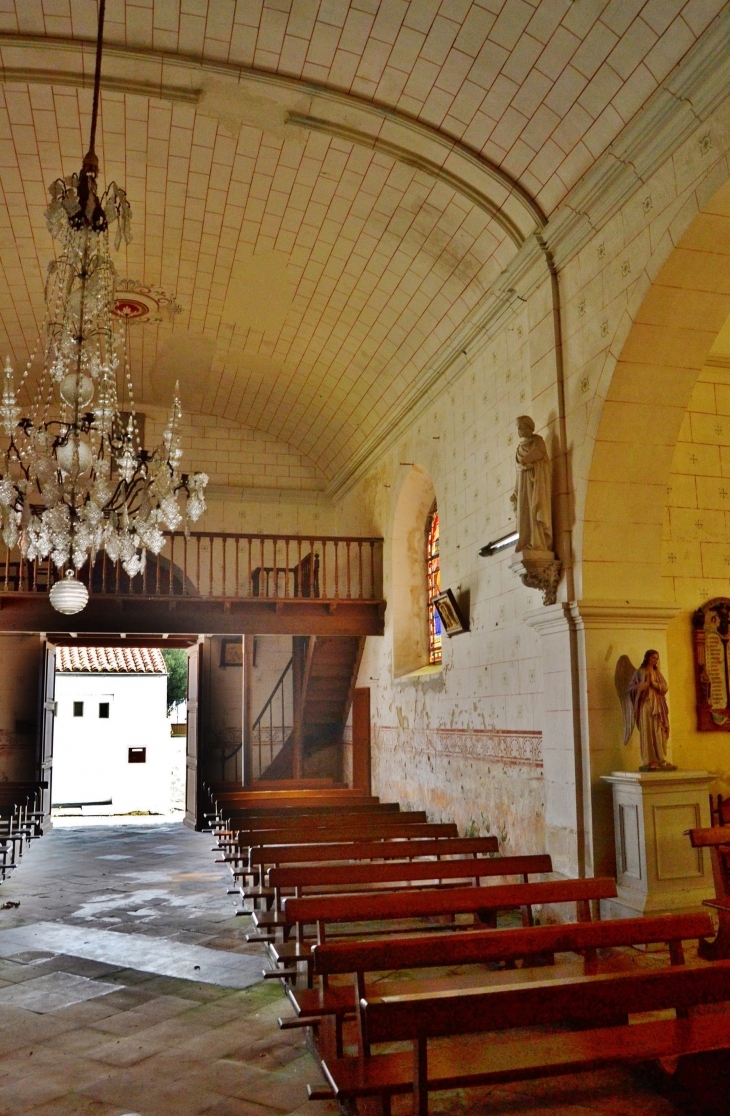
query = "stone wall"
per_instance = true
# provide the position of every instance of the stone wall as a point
(610, 410)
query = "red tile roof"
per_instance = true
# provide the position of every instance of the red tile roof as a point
(110, 660)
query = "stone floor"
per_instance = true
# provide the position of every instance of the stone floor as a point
(127, 989)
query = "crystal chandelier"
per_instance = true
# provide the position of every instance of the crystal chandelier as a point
(74, 478)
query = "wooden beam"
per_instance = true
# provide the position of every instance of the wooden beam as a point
(139, 615)
(247, 707)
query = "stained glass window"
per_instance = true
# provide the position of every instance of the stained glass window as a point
(433, 574)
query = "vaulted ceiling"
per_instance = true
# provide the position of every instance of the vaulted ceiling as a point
(328, 188)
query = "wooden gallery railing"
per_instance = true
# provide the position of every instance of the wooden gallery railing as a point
(219, 566)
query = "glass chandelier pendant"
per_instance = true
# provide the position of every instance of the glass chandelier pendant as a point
(74, 478)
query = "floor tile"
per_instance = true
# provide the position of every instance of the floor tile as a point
(53, 991)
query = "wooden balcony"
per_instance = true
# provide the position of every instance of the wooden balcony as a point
(213, 583)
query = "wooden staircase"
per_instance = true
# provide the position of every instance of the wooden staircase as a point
(325, 672)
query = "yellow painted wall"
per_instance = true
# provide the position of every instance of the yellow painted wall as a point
(696, 558)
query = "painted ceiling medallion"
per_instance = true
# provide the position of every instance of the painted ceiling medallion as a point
(134, 301)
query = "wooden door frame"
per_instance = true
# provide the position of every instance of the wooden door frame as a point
(45, 725)
(361, 739)
(193, 768)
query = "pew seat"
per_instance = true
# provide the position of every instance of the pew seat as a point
(599, 1003)
(531, 946)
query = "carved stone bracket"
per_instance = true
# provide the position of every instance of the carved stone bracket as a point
(538, 569)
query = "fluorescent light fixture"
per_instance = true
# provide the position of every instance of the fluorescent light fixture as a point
(499, 544)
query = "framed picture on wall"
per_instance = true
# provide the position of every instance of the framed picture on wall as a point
(231, 652)
(451, 617)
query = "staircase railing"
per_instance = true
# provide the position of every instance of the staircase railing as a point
(271, 728)
(222, 566)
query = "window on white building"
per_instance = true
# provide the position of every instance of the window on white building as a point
(78, 709)
(104, 710)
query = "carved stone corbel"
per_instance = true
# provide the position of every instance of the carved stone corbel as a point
(538, 569)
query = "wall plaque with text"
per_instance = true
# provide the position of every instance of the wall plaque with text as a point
(711, 629)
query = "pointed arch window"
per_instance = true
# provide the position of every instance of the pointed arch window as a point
(433, 575)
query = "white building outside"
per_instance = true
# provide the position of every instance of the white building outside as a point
(113, 752)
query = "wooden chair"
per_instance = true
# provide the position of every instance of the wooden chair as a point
(598, 1003)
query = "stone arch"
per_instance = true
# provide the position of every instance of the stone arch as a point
(408, 586)
(662, 356)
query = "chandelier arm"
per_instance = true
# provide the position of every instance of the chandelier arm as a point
(79, 462)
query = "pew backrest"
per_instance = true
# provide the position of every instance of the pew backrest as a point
(474, 868)
(594, 999)
(348, 809)
(336, 821)
(491, 946)
(318, 835)
(373, 906)
(394, 849)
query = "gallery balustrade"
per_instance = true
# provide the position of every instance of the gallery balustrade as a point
(218, 566)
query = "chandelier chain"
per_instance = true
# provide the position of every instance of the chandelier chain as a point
(76, 478)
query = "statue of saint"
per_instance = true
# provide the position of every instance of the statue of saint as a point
(531, 497)
(649, 713)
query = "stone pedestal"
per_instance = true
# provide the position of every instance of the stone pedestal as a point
(538, 569)
(657, 870)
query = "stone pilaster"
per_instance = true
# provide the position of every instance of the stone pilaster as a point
(582, 642)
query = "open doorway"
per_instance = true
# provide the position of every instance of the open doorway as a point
(119, 734)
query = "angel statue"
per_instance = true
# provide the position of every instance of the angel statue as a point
(642, 696)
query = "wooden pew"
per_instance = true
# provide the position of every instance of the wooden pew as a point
(222, 785)
(263, 819)
(719, 810)
(292, 798)
(408, 848)
(278, 855)
(474, 947)
(309, 832)
(226, 803)
(377, 907)
(325, 878)
(717, 840)
(315, 810)
(594, 1001)
(287, 790)
(241, 865)
(337, 819)
(311, 823)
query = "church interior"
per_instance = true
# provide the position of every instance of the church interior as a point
(374, 357)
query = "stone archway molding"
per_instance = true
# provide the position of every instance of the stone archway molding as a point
(664, 352)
